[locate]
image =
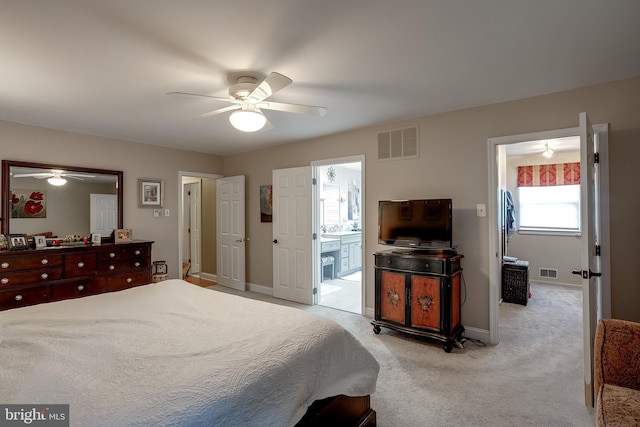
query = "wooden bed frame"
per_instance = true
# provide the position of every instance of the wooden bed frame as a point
(340, 411)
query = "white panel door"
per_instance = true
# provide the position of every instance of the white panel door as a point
(104, 213)
(590, 262)
(230, 227)
(292, 234)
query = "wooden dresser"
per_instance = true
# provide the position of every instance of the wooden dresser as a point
(35, 276)
(419, 293)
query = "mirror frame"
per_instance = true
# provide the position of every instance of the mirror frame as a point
(6, 179)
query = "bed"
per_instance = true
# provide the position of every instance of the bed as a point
(173, 353)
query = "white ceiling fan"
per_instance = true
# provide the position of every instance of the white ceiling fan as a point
(248, 97)
(54, 177)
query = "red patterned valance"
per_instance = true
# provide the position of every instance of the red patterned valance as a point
(547, 175)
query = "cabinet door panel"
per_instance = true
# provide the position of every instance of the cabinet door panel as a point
(392, 297)
(425, 302)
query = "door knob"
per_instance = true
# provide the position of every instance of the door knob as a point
(275, 240)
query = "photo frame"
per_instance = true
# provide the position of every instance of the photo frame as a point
(17, 242)
(150, 192)
(96, 239)
(40, 241)
(122, 235)
(4, 245)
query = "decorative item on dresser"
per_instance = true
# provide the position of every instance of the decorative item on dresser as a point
(419, 292)
(34, 276)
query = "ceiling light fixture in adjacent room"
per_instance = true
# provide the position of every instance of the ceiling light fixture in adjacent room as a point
(249, 119)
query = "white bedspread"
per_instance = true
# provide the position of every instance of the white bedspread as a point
(175, 354)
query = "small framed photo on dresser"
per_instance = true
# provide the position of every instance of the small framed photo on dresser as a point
(122, 235)
(40, 241)
(17, 242)
(96, 239)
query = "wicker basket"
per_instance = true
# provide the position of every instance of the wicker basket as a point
(515, 282)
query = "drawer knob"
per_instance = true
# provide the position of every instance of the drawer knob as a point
(129, 279)
(5, 265)
(44, 261)
(426, 265)
(112, 255)
(81, 264)
(137, 264)
(138, 252)
(4, 281)
(44, 276)
(18, 297)
(80, 287)
(112, 267)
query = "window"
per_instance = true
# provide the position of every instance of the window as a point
(551, 208)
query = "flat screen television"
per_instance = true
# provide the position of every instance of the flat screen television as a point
(420, 224)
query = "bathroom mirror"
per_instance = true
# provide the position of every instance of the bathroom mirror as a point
(57, 201)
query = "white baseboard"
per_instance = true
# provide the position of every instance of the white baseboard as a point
(476, 334)
(260, 289)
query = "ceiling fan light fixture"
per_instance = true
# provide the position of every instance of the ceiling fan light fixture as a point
(57, 180)
(247, 120)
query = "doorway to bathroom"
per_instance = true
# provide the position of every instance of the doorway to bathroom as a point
(340, 222)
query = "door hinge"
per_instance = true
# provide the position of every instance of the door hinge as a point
(314, 236)
(596, 157)
(597, 250)
(314, 181)
(315, 291)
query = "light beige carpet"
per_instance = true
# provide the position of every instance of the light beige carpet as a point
(534, 377)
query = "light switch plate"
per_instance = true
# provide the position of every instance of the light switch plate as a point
(166, 212)
(157, 213)
(481, 210)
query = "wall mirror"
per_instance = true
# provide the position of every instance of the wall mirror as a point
(57, 201)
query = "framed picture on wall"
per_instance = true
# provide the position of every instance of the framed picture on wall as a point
(266, 204)
(150, 192)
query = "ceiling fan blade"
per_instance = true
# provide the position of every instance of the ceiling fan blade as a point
(270, 85)
(33, 175)
(218, 111)
(217, 98)
(310, 110)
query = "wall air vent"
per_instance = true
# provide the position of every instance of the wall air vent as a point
(398, 144)
(549, 273)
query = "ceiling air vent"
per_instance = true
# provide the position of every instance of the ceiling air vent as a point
(398, 144)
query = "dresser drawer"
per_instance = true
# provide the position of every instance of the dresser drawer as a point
(128, 251)
(123, 265)
(121, 281)
(21, 296)
(29, 277)
(78, 288)
(28, 262)
(423, 264)
(78, 265)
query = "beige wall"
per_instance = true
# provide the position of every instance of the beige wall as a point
(27, 143)
(453, 163)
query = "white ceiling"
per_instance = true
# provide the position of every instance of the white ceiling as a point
(104, 67)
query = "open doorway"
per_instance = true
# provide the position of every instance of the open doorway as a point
(340, 215)
(197, 243)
